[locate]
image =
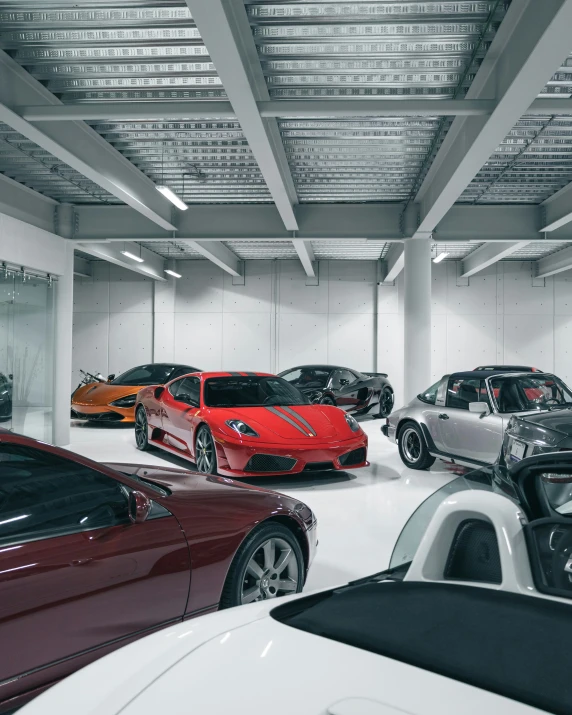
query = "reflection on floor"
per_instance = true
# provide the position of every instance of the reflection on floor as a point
(360, 513)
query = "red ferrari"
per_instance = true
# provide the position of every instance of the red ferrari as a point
(95, 556)
(247, 424)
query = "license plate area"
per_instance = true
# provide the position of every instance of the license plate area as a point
(517, 450)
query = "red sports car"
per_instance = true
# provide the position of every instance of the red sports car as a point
(94, 556)
(247, 424)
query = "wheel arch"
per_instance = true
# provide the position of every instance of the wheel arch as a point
(424, 431)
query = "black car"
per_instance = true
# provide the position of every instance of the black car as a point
(542, 432)
(5, 397)
(353, 391)
(508, 368)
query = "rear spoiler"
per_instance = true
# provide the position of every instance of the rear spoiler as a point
(375, 374)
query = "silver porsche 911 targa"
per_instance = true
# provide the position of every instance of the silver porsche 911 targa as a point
(463, 418)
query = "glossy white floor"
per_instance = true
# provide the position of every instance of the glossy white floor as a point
(360, 513)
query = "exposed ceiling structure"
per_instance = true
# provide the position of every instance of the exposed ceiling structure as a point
(148, 76)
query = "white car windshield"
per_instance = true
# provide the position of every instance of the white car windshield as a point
(522, 393)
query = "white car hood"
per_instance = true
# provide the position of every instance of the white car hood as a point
(242, 661)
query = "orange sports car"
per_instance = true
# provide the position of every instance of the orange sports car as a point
(114, 400)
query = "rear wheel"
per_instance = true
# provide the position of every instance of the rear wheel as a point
(268, 564)
(142, 430)
(412, 447)
(327, 400)
(205, 452)
(385, 402)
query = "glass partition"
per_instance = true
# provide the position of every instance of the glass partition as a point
(26, 353)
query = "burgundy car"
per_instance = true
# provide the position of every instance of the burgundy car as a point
(93, 556)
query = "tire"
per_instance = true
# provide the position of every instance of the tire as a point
(413, 448)
(205, 451)
(142, 430)
(253, 575)
(385, 403)
(327, 400)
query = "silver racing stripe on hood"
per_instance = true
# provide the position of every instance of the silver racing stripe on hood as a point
(299, 417)
(290, 421)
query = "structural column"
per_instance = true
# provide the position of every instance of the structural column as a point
(164, 296)
(63, 334)
(417, 316)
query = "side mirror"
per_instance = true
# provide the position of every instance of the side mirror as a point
(159, 391)
(111, 377)
(479, 408)
(139, 507)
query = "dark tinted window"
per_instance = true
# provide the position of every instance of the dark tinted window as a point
(461, 392)
(430, 395)
(146, 375)
(342, 378)
(43, 495)
(251, 392)
(529, 392)
(187, 390)
(305, 377)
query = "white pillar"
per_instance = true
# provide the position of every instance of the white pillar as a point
(417, 316)
(63, 336)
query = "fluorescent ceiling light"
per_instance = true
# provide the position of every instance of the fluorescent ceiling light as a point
(172, 273)
(173, 198)
(440, 257)
(133, 257)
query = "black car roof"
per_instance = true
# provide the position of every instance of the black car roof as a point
(483, 374)
(320, 367)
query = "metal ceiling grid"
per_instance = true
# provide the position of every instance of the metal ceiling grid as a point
(367, 49)
(454, 251)
(171, 249)
(533, 162)
(133, 51)
(356, 250)
(537, 250)
(32, 166)
(262, 250)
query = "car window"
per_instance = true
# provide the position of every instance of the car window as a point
(342, 378)
(522, 393)
(251, 391)
(430, 395)
(145, 375)
(43, 495)
(189, 390)
(462, 391)
(185, 370)
(305, 377)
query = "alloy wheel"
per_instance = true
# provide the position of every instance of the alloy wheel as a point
(386, 403)
(205, 452)
(411, 445)
(272, 571)
(141, 429)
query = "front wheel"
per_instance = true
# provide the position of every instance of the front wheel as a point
(412, 447)
(269, 564)
(205, 451)
(142, 430)
(385, 402)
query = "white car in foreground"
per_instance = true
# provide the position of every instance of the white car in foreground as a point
(462, 629)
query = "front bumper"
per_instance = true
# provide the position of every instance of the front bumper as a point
(102, 413)
(234, 457)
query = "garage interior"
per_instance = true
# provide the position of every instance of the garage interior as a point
(375, 184)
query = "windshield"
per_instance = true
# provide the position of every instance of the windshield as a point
(146, 375)
(410, 538)
(304, 377)
(522, 393)
(255, 391)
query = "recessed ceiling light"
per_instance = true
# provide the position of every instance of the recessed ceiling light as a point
(173, 198)
(440, 257)
(172, 273)
(133, 257)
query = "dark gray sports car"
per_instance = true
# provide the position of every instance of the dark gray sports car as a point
(538, 433)
(353, 391)
(5, 397)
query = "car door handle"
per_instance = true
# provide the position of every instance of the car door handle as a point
(443, 416)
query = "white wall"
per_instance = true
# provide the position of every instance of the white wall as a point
(113, 320)
(275, 320)
(270, 323)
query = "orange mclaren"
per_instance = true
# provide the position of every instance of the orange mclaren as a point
(114, 400)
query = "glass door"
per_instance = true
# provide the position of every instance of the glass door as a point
(7, 287)
(32, 351)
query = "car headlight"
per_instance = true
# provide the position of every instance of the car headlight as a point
(352, 423)
(242, 428)
(128, 401)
